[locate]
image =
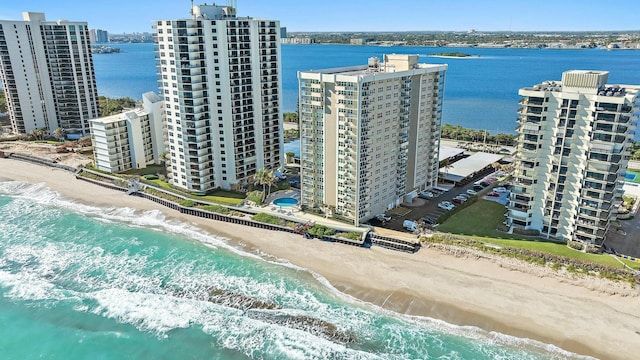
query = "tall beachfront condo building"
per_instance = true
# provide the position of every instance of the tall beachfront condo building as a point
(573, 150)
(132, 139)
(369, 134)
(219, 75)
(47, 73)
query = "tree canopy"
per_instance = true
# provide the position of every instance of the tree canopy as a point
(457, 132)
(110, 106)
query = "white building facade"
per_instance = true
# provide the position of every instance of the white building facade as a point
(132, 139)
(47, 72)
(573, 149)
(220, 80)
(370, 134)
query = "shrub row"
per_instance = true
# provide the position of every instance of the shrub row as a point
(321, 230)
(268, 219)
(350, 235)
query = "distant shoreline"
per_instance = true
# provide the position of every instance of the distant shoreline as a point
(453, 57)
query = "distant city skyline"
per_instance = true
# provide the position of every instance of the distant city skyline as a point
(118, 16)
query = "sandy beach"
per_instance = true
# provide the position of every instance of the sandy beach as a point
(587, 316)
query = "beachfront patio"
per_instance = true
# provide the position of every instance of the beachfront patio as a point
(288, 209)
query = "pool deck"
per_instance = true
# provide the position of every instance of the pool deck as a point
(295, 213)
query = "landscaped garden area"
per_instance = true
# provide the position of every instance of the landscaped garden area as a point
(481, 220)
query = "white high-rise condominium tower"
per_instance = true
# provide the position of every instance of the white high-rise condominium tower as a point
(47, 73)
(369, 134)
(573, 150)
(220, 80)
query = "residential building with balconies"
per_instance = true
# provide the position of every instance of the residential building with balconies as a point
(219, 76)
(370, 134)
(46, 68)
(573, 148)
(132, 139)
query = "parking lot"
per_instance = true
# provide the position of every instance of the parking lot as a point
(421, 208)
(621, 238)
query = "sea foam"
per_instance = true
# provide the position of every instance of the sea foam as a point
(159, 294)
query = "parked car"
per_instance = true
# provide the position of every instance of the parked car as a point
(457, 200)
(410, 225)
(490, 181)
(429, 220)
(465, 196)
(500, 190)
(383, 217)
(478, 187)
(426, 195)
(484, 184)
(493, 193)
(445, 205)
(471, 192)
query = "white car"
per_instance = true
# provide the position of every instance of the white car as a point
(426, 195)
(445, 205)
(410, 225)
(471, 192)
(500, 190)
(383, 217)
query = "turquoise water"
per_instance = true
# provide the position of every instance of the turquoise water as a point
(285, 202)
(81, 282)
(630, 176)
(481, 93)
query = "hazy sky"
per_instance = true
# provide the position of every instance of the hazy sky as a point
(118, 16)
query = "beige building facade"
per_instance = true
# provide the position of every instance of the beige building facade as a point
(220, 79)
(369, 134)
(573, 149)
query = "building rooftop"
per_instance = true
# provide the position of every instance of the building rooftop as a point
(124, 115)
(447, 152)
(584, 81)
(394, 63)
(468, 166)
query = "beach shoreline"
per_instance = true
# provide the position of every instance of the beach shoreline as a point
(586, 316)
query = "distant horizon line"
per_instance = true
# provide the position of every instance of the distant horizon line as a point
(426, 31)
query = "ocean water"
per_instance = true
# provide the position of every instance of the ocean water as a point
(480, 93)
(82, 282)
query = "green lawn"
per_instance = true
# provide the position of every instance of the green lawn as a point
(149, 170)
(481, 219)
(221, 197)
(161, 184)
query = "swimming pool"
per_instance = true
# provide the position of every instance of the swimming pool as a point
(630, 176)
(287, 201)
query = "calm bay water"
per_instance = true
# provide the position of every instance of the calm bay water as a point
(81, 282)
(481, 93)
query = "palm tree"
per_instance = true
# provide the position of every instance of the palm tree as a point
(270, 180)
(260, 178)
(446, 165)
(59, 133)
(38, 134)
